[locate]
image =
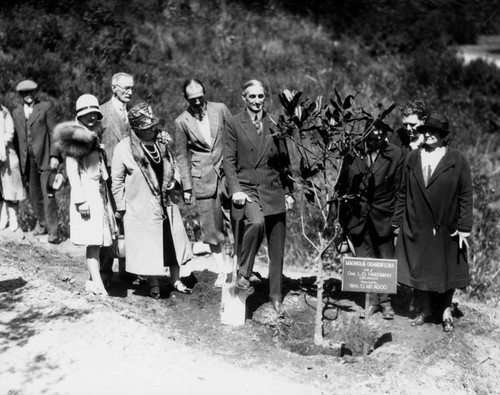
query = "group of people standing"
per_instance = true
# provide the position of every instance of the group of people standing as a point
(413, 194)
(414, 204)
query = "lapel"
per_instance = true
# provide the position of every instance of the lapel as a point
(249, 130)
(37, 110)
(118, 120)
(444, 164)
(193, 125)
(213, 120)
(265, 138)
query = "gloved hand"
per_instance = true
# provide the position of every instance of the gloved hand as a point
(462, 238)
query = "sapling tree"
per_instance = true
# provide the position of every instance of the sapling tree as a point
(323, 135)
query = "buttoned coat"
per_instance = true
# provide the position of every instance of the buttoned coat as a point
(41, 124)
(200, 162)
(115, 129)
(429, 259)
(256, 164)
(147, 204)
(375, 188)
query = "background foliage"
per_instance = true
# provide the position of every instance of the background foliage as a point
(387, 50)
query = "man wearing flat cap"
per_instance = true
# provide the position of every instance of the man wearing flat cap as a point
(34, 122)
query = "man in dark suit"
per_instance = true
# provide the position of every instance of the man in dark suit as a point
(115, 127)
(256, 168)
(374, 179)
(115, 121)
(34, 121)
(198, 148)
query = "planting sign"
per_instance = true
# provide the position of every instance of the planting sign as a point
(369, 275)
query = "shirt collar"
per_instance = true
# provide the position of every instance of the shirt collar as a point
(118, 104)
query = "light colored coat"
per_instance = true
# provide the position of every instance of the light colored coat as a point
(115, 129)
(137, 191)
(200, 162)
(85, 174)
(11, 181)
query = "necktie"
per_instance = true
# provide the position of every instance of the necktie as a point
(258, 125)
(427, 174)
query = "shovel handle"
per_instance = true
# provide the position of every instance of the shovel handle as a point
(237, 212)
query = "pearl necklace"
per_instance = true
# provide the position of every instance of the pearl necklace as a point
(154, 155)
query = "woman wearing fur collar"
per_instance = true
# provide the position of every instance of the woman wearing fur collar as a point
(92, 221)
(144, 175)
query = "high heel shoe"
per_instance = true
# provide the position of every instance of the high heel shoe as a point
(180, 287)
(448, 325)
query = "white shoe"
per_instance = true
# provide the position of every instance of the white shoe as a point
(4, 215)
(93, 288)
(221, 280)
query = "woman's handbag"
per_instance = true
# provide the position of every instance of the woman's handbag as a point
(343, 243)
(119, 242)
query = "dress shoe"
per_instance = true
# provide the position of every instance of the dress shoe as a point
(278, 306)
(154, 292)
(371, 311)
(388, 313)
(448, 325)
(39, 230)
(54, 239)
(242, 282)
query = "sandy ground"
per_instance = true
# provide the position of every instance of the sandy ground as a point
(57, 339)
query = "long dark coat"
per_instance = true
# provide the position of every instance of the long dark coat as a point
(429, 259)
(375, 188)
(256, 164)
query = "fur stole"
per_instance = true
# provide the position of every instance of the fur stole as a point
(74, 139)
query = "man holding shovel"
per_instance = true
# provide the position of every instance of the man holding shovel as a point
(256, 168)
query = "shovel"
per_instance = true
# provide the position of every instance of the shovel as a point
(233, 304)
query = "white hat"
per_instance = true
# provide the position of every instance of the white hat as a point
(26, 85)
(86, 104)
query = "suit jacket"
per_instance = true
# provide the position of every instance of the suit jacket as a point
(114, 129)
(200, 164)
(376, 187)
(257, 164)
(41, 124)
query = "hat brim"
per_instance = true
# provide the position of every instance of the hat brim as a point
(88, 111)
(154, 122)
(423, 128)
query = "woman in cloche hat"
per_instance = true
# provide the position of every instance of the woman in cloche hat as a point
(92, 220)
(144, 174)
(434, 216)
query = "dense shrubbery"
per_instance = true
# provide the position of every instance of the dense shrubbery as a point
(387, 50)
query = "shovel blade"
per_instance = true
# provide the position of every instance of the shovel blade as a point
(233, 305)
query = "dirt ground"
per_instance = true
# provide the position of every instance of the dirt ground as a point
(57, 339)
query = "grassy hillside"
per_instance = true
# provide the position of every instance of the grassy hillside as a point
(385, 50)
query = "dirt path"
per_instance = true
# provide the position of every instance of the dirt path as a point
(56, 339)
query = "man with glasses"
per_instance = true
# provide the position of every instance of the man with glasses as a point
(198, 148)
(115, 121)
(34, 122)
(115, 127)
(257, 173)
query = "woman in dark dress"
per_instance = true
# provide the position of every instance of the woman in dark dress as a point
(434, 218)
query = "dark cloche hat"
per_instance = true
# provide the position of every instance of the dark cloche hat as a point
(436, 122)
(141, 117)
